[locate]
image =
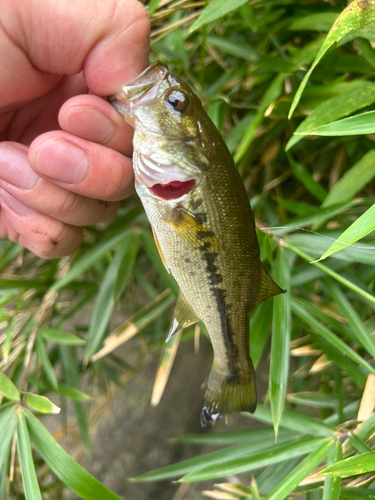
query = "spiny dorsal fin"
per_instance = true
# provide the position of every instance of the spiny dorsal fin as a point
(183, 316)
(267, 287)
(159, 250)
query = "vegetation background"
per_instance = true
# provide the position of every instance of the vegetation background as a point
(312, 194)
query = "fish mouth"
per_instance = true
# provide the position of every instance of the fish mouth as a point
(144, 86)
(172, 190)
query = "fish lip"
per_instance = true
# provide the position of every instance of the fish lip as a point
(135, 91)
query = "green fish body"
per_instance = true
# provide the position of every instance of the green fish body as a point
(203, 226)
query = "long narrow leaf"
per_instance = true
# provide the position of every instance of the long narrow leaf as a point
(279, 365)
(29, 479)
(65, 468)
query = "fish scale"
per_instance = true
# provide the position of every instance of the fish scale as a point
(206, 236)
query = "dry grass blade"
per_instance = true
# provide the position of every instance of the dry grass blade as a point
(168, 356)
(367, 405)
(132, 326)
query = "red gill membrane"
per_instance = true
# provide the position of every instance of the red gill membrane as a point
(172, 190)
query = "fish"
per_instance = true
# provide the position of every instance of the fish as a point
(203, 227)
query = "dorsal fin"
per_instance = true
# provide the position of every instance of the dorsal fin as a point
(267, 287)
(183, 316)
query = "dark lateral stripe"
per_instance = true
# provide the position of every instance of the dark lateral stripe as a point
(219, 294)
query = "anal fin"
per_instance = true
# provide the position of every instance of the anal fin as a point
(183, 316)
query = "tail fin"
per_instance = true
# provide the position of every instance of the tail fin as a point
(228, 393)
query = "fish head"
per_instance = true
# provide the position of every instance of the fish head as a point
(171, 132)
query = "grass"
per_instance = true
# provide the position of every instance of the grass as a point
(264, 70)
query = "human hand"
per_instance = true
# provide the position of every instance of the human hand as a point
(54, 181)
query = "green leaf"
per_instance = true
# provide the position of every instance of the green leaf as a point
(275, 454)
(215, 10)
(40, 403)
(127, 265)
(294, 421)
(248, 449)
(72, 393)
(7, 425)
(46, 363)
(357, 177)
(354, 320)
(302, 470)
(364, 225)
(332, 484)
(279, 364)
(65, 468)
(357, 493)
(321, 21)
(60, 337)
(255, 436)
(90, 258)
(307, 318)
(29, 479)
(357, 15)
(302, 175)
(105, 300)
(272, 93)
(153, 5)
(357, 95)
(259, 330)
(7, 387)
(330, 272)
(360, 464)
(361, 124)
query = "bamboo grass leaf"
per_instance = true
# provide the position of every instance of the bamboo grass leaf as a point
(332, 484)
(40, 403)
(215, 10)
(29, 479)
(90, 258)
(276, 454)
(364, 123)
(279, 363)
(359, 229)
(46, 363)
(110, 289)
(353, 318)
(357, 177)
(358, 95)
(60, 337)
(302, 470)
(70, 473)
(360, 464)
(355, 16)
(213, 459)
(329, 336)
(357, 493)
(259, 330)
(349, 284)
(8, 424)
(294, 421)
(273, 92)
(7, 388)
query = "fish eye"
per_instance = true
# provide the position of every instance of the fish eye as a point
(177, 99)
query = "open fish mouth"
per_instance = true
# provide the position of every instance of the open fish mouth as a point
(172, 190)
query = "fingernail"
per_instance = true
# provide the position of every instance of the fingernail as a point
(14, 204)
(100, 128)
(62, 161)
(15, 168)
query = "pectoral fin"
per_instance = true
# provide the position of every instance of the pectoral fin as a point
(194, 234)
(159, 250)
(183, 316)
(267, 287)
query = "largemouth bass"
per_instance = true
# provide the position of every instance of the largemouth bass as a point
(203, 227)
